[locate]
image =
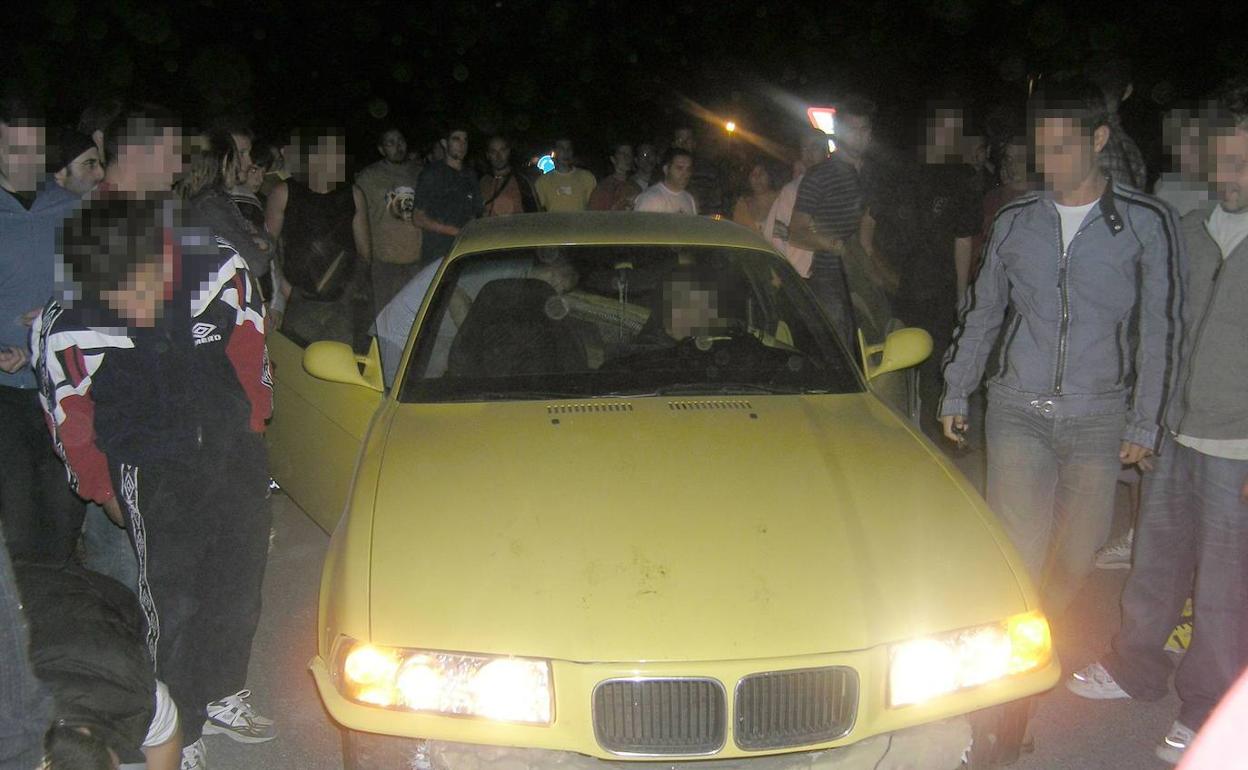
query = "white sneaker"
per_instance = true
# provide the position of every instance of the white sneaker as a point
(235, 718)
(195, 756)
(1175, 743)
(1095, 682)
(1117, 553)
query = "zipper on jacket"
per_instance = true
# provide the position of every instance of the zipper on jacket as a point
(1064, 325)
(1063, 281)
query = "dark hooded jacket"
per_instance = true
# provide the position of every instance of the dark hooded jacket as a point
(86, 645)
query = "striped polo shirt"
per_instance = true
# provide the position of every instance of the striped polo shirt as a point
(831, 193)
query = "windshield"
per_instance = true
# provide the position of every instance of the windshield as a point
(592, 321)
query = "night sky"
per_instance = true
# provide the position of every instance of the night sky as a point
(600, 70)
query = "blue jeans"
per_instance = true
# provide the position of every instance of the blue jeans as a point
(1051, 482)
(1192, 531)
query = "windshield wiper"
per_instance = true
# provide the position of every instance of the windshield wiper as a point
(724, 389)
(514, 395)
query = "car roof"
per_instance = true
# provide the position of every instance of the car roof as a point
(603, 228)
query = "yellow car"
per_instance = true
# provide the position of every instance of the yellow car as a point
(622, 497)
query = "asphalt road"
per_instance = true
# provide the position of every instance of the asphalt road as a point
(1069, 732)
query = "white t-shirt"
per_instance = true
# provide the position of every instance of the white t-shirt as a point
(1228, 230)
(662, 199)
(164, 718)
(776, 228)
(1072, 218)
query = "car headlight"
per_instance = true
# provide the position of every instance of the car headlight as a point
(499, 688)
(922, 669)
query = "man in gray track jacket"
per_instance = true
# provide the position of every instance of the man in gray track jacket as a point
(1192, 535)
(1081, 285)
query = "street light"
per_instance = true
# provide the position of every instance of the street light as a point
(731, 127)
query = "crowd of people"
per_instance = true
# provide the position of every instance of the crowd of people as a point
(138, 288)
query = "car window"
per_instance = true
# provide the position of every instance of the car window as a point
(589, 321)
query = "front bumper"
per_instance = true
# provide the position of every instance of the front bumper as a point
(572, 731)
(936, 746)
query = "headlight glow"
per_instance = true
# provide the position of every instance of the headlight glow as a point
(503, 689)
(923, 669)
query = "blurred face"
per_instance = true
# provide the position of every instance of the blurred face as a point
(760, 180)
(22, 155)
(140, 297)
(1186, 149)
(242, 143)
(254, 179)
(646, 158)
(814, 152)
(328, 160)
(564, 153)
(1014, 164)
(151, 167)
(83, 173)
(457, 145)
(691, 311)
(499, 155)
(393, 147)
(1065, 155)
(853, 134)
(622, 160)
(1229, 161)
(683, 138)
(291, 157)
(676, 174)
(945, 135)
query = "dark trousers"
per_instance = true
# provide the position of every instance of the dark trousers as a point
(1191, 539)
(201, 534)
(41, 515)
(831, 288)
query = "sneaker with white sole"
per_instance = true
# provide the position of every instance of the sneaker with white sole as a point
(1094, 682)
(195, 756)
(1116, 554)
(235, 718)
(1175, 743)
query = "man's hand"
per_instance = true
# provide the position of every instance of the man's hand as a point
(113, 509)
(1243, 491)
(955, 427)
(12, 359)
(1131, 454)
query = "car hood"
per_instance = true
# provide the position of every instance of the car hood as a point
(663, 529)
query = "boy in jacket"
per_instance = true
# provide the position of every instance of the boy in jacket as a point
(1069, 272)
(1192, 534)
(155, 380)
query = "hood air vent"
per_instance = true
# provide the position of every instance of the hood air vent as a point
(717, 405)
(564, 409)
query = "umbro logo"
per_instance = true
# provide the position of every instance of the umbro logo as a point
(204, 333)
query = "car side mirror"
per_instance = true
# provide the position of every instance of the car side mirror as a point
(902, 349)
(337, 362)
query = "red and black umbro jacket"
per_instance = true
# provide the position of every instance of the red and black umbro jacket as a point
(154, 396)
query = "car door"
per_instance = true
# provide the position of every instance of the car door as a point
(317, 430)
